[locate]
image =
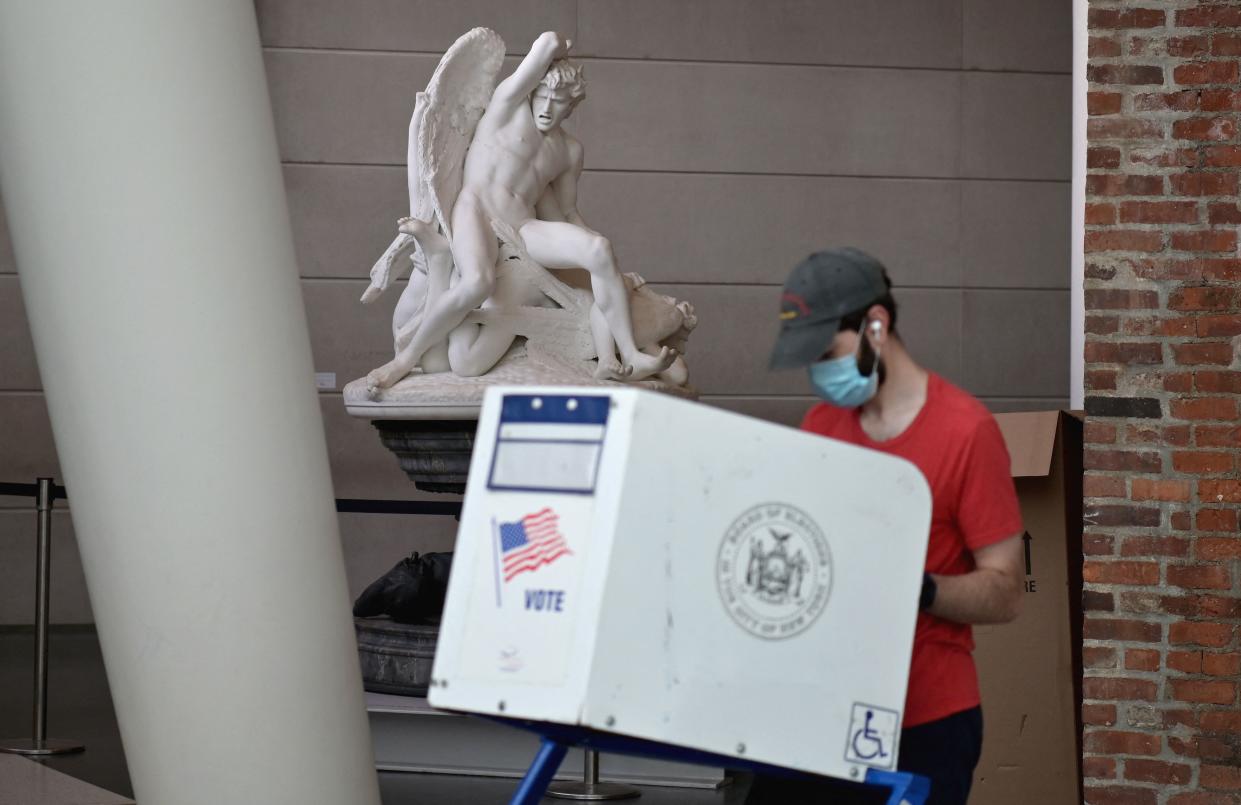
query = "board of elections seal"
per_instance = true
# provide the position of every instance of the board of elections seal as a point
(774, 571)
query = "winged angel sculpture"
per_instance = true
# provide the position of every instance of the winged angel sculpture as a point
(493, 206)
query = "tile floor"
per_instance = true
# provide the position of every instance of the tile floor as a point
(29, 782)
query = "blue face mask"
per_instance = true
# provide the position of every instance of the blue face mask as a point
(839, 382)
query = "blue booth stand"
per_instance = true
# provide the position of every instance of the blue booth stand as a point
(905, 788)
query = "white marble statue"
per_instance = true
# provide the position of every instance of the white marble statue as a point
(493, 205)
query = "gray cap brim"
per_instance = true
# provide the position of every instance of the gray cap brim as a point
(803, 345)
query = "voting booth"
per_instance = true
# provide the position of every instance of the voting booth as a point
(636, 566)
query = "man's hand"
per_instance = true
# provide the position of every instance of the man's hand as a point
(991, 593)
(560, 44)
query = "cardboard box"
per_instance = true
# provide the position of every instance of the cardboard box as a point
(1030, 669)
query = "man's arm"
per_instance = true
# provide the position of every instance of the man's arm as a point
(517, 87)
(991, 593)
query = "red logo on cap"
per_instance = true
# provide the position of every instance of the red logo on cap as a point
(797, 301)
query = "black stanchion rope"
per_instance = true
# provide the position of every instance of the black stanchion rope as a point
(352, 505)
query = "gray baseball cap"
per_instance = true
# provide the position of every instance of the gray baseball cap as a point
(823, 288)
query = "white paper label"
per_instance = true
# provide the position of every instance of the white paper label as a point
(325, 381)
(535, 554)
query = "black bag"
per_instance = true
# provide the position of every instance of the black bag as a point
(412, 591)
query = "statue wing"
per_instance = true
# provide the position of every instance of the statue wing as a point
(390, 262)
(456, 98)
(440, 131)
(420, 205)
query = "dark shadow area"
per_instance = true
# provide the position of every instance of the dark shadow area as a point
(80, 707)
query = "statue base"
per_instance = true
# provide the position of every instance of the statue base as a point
(443, 395)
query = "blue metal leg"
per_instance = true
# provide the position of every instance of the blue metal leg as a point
(540, 773)
(912, 789)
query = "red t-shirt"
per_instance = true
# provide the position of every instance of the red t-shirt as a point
(957, 444)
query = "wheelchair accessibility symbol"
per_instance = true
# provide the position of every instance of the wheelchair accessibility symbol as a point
(873, 736)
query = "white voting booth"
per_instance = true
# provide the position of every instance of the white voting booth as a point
(639, 565)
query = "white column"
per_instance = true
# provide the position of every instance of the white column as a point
(1077, 235)
(139, 168)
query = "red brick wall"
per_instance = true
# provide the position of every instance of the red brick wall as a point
(1163, 320)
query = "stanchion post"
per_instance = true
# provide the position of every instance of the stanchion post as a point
(41, 744)
(42, 598)
(590, 788)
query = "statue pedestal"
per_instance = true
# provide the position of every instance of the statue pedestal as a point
(434, 453)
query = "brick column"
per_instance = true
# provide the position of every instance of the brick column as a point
(1163, 321)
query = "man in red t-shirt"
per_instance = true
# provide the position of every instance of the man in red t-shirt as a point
(839, 321)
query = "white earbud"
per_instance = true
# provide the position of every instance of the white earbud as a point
(875, 327)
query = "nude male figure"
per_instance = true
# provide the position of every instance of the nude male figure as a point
(523, 169)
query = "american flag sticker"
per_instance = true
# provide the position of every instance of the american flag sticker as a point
(527, 544)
